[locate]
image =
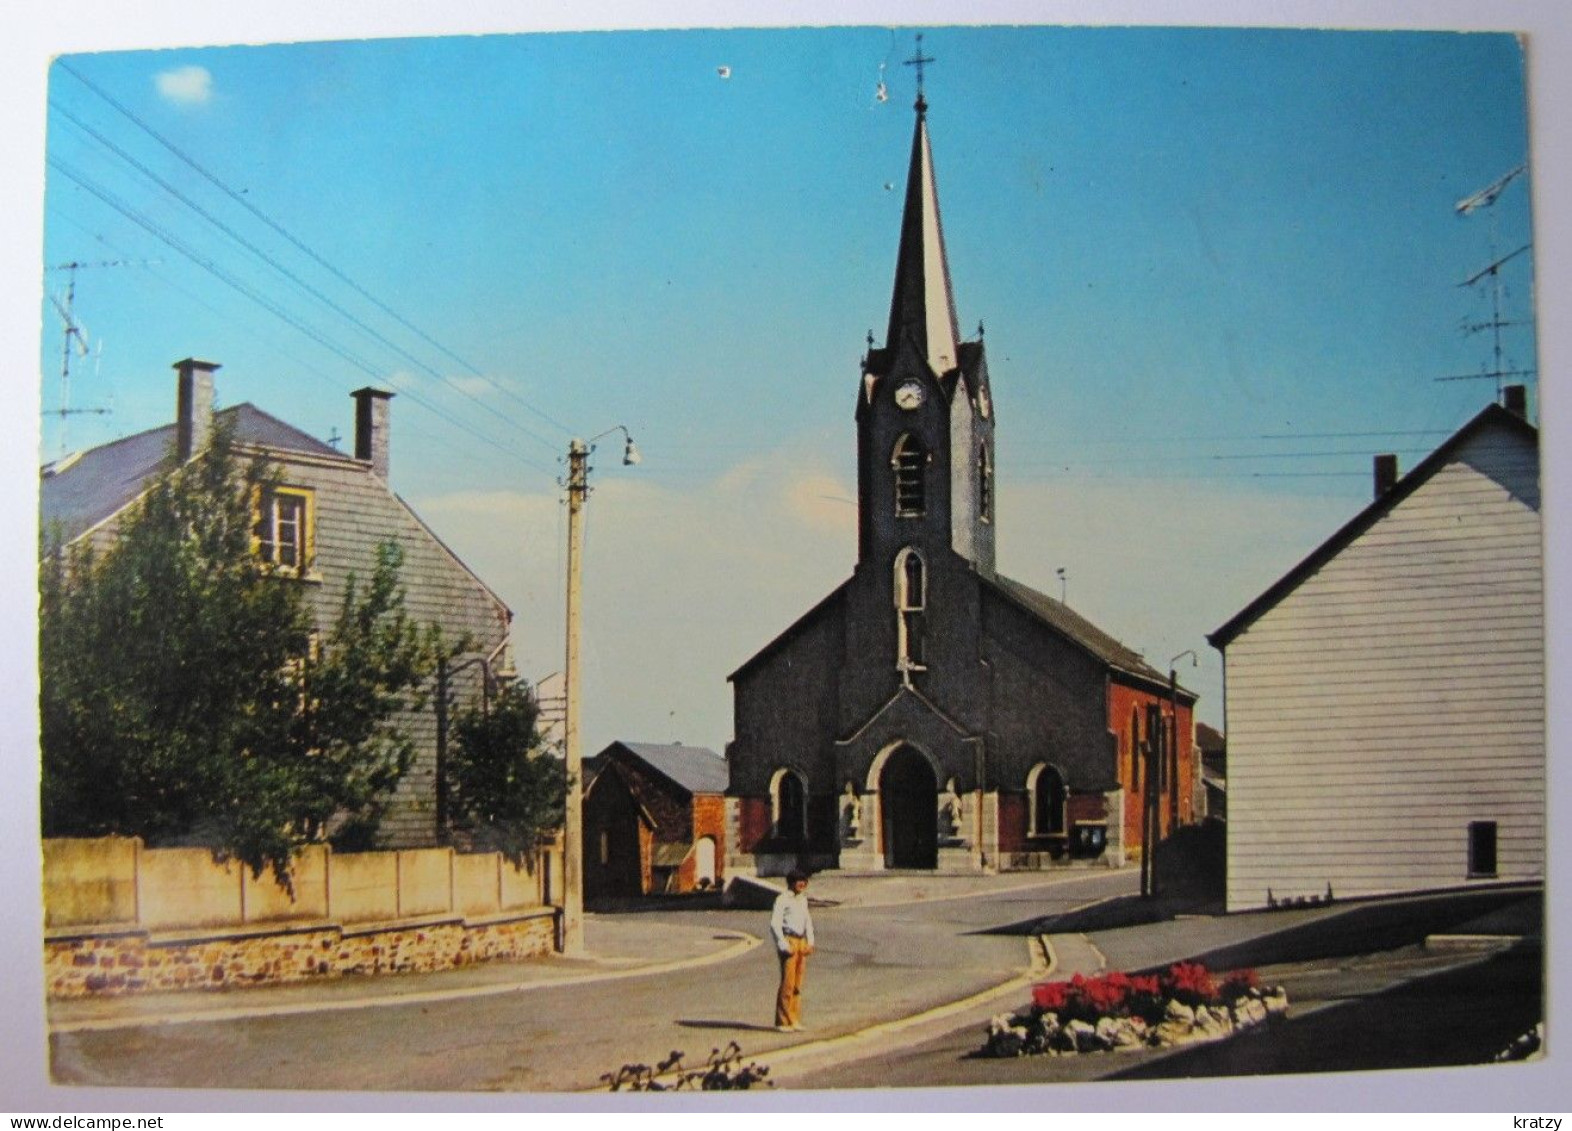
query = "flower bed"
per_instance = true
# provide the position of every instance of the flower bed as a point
(1119, 1011)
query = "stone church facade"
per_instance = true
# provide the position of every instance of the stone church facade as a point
(931, 713)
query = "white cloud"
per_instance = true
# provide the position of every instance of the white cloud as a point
(185, 86)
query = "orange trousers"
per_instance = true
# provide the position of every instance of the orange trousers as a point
(788, 1002)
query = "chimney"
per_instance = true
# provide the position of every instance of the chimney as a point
(1385, 474)
(1514, 398)
(193, 407)
(371, 428)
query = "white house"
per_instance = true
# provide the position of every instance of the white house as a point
(1385, 700)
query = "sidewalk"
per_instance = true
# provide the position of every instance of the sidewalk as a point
(616, 947)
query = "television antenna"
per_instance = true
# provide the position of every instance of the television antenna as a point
(75, 339)
(1485, 199)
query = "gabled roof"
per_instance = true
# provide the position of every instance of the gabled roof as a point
(696, 769)
(1492, 416)
(1071, 624)
(791, 630)
(83, 491)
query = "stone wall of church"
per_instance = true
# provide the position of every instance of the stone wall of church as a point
(785, 708)
(1048, 705)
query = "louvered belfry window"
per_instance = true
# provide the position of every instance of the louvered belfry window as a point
(909, 462)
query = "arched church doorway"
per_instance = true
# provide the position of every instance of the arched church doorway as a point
(909, 804)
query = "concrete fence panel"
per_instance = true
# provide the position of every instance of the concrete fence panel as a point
(425, 881)
(90, 881)
(186, 887)
(521, 884)
(477, 883)
(363, 886)
(267, 901)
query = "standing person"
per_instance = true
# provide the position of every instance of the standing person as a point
(792, 928)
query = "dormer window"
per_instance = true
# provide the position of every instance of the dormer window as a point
(909, 461)
(284, 528)
(910, 603)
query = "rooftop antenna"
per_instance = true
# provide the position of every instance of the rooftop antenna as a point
(74, 338)
(1485, 198)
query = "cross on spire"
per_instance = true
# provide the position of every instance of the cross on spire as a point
(917, 61)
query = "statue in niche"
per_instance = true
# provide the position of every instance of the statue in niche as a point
(851, 814)
(949, 813)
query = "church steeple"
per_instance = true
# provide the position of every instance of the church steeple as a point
(922, 311)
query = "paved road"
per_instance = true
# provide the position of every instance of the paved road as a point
(1409, 1006)
(876, 961)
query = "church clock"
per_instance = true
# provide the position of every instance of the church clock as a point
(909, 395)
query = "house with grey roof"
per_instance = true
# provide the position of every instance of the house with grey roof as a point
(329, 514)
(654, 820)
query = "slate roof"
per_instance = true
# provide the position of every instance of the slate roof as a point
(84, 490)
(1492, 415)
(696, 769)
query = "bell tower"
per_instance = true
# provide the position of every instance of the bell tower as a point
(924, 415)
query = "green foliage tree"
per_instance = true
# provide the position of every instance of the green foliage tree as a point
(508, 787)
(185, 695)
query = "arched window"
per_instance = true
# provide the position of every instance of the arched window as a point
(789, 807)
(984, 485)
(911, 586)
(909, 462)
(1045, 785)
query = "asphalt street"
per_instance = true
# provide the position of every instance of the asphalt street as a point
(875, 962)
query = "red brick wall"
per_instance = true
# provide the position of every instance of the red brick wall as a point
(1123, 703)
(709, 819)
(1013, 823)
(753, 821)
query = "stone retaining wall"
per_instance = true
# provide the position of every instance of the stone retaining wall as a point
(85, 963)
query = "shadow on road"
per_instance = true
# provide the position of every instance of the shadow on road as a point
(1461, 1016)
(1369, 927)
(1106, 915)
(746, 1026)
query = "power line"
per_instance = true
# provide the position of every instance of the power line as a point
(283, 315)
(287, 273)
(340, 275)
(454, 451)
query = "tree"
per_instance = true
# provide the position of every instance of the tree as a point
(508, 786)
(185, 695)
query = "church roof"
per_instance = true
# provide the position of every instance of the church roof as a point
(1069, 623)
(80, 491)
(922, 310)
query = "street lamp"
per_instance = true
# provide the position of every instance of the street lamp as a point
(445, 674)
(573, 808)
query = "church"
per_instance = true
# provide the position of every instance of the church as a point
(930, 713)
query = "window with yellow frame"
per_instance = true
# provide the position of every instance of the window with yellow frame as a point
(286, 528)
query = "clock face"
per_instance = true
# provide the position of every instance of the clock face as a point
(909, 395)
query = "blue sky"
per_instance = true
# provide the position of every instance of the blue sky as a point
(1218, 270)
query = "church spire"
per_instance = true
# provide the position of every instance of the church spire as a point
(922, 310)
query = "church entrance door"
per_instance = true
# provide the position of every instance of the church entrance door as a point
(909, 804)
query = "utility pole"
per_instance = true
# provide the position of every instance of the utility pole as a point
(573, 755)
(573, 812)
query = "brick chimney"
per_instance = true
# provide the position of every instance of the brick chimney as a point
(193, 407)
(371, 428)
(1514, 398)
(1385, 474)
